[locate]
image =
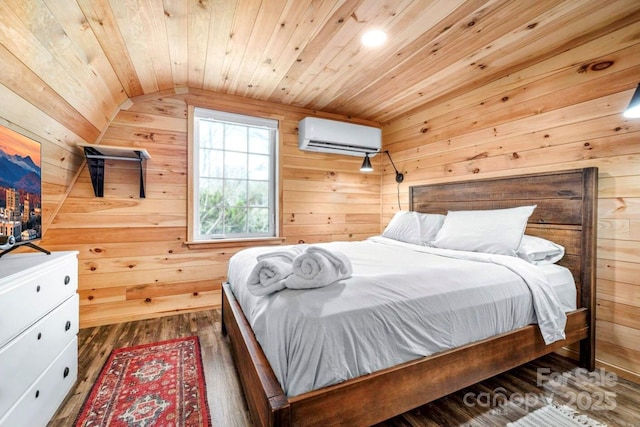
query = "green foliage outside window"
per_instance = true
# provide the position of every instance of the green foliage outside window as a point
(218, 218)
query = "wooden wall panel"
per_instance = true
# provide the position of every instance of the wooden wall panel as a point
(133, 260)
(564, 112)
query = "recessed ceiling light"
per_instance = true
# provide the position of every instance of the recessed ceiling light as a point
(374, 38)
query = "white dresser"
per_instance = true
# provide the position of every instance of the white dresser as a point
(38, 328)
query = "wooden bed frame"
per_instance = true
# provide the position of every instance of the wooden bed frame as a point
(565, 213)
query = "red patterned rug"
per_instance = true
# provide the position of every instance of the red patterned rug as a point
(159, 384)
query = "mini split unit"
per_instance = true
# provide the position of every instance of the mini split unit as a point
(330, 136)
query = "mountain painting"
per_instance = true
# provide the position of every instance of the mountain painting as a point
(20, 186)
(19, 161)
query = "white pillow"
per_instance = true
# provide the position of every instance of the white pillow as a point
(404, 226)
(430, 224)
(414, 227)
(539, 251)
(497, 231)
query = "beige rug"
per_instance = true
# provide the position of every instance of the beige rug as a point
(556, 416)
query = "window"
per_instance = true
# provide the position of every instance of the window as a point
(233, 166)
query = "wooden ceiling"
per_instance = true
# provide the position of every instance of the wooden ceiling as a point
(79, 60)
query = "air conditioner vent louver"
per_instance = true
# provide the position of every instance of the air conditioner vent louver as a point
(339, 146)
(330, 136)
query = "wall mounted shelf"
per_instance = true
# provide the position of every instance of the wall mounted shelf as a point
(96, 156)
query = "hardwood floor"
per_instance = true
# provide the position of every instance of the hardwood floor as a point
(493, 402)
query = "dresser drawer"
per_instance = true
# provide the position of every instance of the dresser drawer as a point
(32, 295)
(38, 404)
(23, 359)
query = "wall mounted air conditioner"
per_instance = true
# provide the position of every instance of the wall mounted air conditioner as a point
(330, 136)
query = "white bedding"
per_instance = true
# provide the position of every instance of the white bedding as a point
(401, 303)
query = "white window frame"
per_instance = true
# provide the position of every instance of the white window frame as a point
(195, 114)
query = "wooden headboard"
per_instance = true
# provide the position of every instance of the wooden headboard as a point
(566, 213)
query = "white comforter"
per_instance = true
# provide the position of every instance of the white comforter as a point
(402, 302)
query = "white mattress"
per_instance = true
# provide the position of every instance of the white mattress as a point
(402, 302)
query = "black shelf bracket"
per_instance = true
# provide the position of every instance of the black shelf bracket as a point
(96, 157)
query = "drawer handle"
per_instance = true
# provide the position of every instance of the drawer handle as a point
(67, 279)
(37, 394)
(38, 288)
(39, 335)
(67, 326)
(65, 374)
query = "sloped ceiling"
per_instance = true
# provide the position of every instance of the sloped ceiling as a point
(77, 61)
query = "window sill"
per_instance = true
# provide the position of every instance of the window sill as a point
(228, 243)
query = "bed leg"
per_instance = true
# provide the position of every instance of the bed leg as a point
(588, 353)
(588, 345)
(224, 327)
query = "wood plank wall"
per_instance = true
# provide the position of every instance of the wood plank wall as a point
(133, 259)
(562, 113)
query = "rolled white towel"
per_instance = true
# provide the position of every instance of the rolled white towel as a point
(286, 253)
(268, 276)
(318, 267)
